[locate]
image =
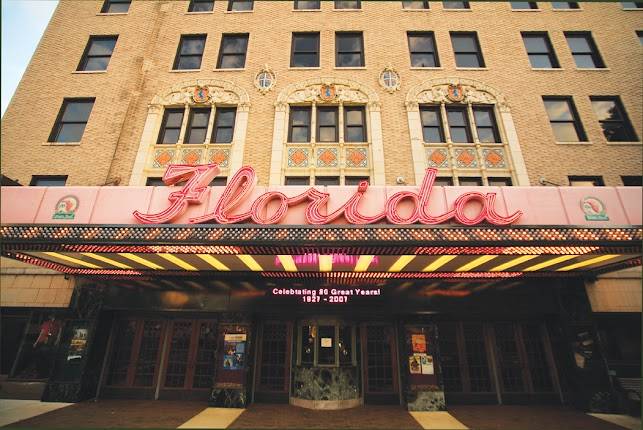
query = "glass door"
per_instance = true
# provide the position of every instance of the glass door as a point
(273, 370)
(379, 364)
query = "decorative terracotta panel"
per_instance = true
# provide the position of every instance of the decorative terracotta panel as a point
(219, 156)
(356, 157)
(298, 157)
(327, 157)
(466, 158)
(494, 158)
(437, 157)
(162, 157)
(191, 156)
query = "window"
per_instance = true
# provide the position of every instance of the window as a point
(232, 54)
(639, 34)
(48, 180)
(632, 4)
(190, 52)
(299, 127)
(613, 119)
(442, 181)
(327, 180)
(422, 49)
(355, 180)
(349, 48)
(223, 130)
(326, 344)
(327, 120)
(354, 124)
(467, 50)
(632, 181)
(455, 5)
(355, 4)
(565, 5)
(97, 53)
(564, 119)
(297, 180)
(541, 53)
(307, 4)
(486, 124)
(470, 181)
(197, 125)
(586, 181)
(154, 182)
(584, 50)
(415, 4)
(219, 181)
(115, 6)
(499, 182)
(458, 121)
(239, 5)
(524, 5)
(201, 6)
(171, 126)
(71, 121)
(432, 124)
(305, 50)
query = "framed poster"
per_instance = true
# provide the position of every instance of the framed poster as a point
(418, 342)
(78, 344)
(234, 350)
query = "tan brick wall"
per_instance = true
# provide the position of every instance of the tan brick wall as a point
(147, 44)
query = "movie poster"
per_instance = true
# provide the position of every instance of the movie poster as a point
(414, 365)
(426, 364)
(234, 347)
(78, 344)
(418, 342)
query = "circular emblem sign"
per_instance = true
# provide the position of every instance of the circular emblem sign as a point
(327, 92)
(456, 94)
(201, 95)
(594, 209)
(66, 208)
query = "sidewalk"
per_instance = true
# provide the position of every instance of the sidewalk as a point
(12, 411)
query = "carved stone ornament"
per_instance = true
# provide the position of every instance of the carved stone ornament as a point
(201, 95)
(455, 93)
(208, 90)
(265, 79)
(327, 92)
(455, 90)
(390, 79)
(341, 91)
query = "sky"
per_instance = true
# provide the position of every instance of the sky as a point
(23, 23)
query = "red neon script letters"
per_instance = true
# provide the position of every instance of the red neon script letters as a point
(244, 181)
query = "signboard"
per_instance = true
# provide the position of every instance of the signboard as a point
(242, 184)
(326, 295)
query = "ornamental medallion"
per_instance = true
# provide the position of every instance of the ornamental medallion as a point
(201, 95)
(594, 209)
(455, 94)
(327, 92)
(66, 208)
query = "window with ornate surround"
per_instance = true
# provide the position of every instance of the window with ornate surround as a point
(492, 156)
(304, 155)
(213, 96)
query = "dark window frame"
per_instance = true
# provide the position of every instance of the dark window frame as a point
(84, 59)
(294, 53)
(335, 110)
(632, 181)
(338, 53)
(594, 52)
(228, 36)
(550, 53)
(362, 109)
(232, 3)
(637, 5)
(355, 180)
(58, 125)
(308, 125)
(36, 178)
(571, 5)
(477, 179)
(439, 126)
(465, 5)
(478, 52)
(578, 125)
(190, 126)
(467, 123)
(494, 123)
(107, 4)
(639, 35)
(296, 5)
(531, 5)
(319, 180)
(625, 119)
(336, 2)
(434, 53)
(597, 180)
(216, 126)
(166, 114)
(425, 5)
(506, 181)
(305, 181)
(184, 38)
(193, 4)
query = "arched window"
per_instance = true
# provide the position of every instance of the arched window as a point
(327, 132)
(464, 129)
(193, 124)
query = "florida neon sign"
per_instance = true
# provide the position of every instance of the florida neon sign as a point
(241, 185)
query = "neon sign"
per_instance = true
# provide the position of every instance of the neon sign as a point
(325, 295)
(244, 181)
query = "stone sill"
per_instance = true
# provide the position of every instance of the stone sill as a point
(547, 69)
(111, 13)
(595, 69)
(61, 144)
(184, 70)
(88, 72)
(229, 70)
(623, 143)
(574, 143)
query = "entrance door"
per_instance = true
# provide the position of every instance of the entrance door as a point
(379, 364)
(190, 359)
(273, 370)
